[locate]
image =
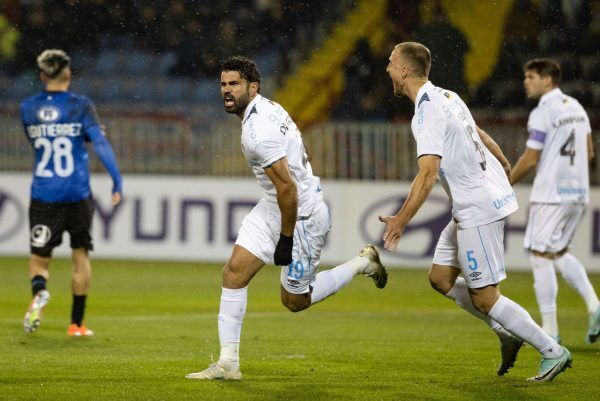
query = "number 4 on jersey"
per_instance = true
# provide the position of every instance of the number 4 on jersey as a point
(568, 148)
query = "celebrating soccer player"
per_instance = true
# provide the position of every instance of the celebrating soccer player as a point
(559, 148)
(287, 227)
(474, 173)
(57, 124)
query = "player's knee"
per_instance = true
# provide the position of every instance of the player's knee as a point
(439, 283)
(293, 306)
(234, 277)
(483, 307)
(545, 255)
(295, 303)
(483, 304)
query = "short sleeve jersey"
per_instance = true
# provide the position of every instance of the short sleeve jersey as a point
(559, 128)
(56, 125)
(268, 135)
(472, 177)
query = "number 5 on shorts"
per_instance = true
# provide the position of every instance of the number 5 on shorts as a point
(472, 261)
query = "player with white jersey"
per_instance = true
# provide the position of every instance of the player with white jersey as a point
(289, 225)
(559, 148)
(474, 173)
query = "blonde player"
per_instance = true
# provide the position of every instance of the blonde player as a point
(559, 148)
(470, 168)
(287, 227)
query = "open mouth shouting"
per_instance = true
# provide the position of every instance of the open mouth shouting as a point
(228, 101)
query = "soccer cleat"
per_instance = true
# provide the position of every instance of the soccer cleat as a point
(34, 313)
(557, 339)
(218, 371)
(551, 367)
(594, 327)
(509, 348)
(375, 269)
(79, 331)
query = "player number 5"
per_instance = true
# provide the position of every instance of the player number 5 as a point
(472, 262)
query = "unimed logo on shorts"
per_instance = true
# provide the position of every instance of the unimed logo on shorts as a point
(12, 215)
(420, 236)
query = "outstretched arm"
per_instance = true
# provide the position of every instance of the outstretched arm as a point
(287, 199)
(420, 189)
(493, 147)
(527, 162)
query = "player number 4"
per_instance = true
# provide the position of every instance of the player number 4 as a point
(568, 148)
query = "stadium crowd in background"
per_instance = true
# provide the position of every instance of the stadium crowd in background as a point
(200, 33)
(187, 39)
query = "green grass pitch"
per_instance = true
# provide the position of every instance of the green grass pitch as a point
(156, 321)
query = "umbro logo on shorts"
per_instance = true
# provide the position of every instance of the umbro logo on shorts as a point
(475, 276)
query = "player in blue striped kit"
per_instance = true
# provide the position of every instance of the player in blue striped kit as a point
(57, 124)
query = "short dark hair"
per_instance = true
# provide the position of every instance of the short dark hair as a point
(244, 65)
(52, 62)
(545, 68)
(418, 56)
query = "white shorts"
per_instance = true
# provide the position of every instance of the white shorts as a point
(260, 232)
(477, 251)
(551, 226)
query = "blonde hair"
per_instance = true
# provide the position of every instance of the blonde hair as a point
(52, 62)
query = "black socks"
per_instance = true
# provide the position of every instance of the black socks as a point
(78, 309)
(38, 283)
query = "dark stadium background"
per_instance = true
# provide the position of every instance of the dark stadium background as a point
(152, 69)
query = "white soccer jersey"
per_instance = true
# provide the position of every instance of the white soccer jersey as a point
(471, 176)
(268, 135)
(559, 128)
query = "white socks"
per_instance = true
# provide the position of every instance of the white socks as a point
(330, 281)
(516, 320)
(546, 289)
(460, 294)
(574, 274)
(231, 317)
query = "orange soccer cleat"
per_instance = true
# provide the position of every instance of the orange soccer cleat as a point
(79, 331)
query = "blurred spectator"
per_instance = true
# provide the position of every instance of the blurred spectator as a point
(200, 32)
(568, 19)
(520, 37)
(448, 47)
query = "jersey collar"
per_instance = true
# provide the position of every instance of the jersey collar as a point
(547, 95)
(421, 92)
(251, 107)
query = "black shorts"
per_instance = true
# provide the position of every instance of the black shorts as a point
(48, 222)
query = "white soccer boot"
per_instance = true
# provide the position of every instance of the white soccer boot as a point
(218, 371)
(375, 269)
(551, 367)
(33, 315)
(594, 328)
